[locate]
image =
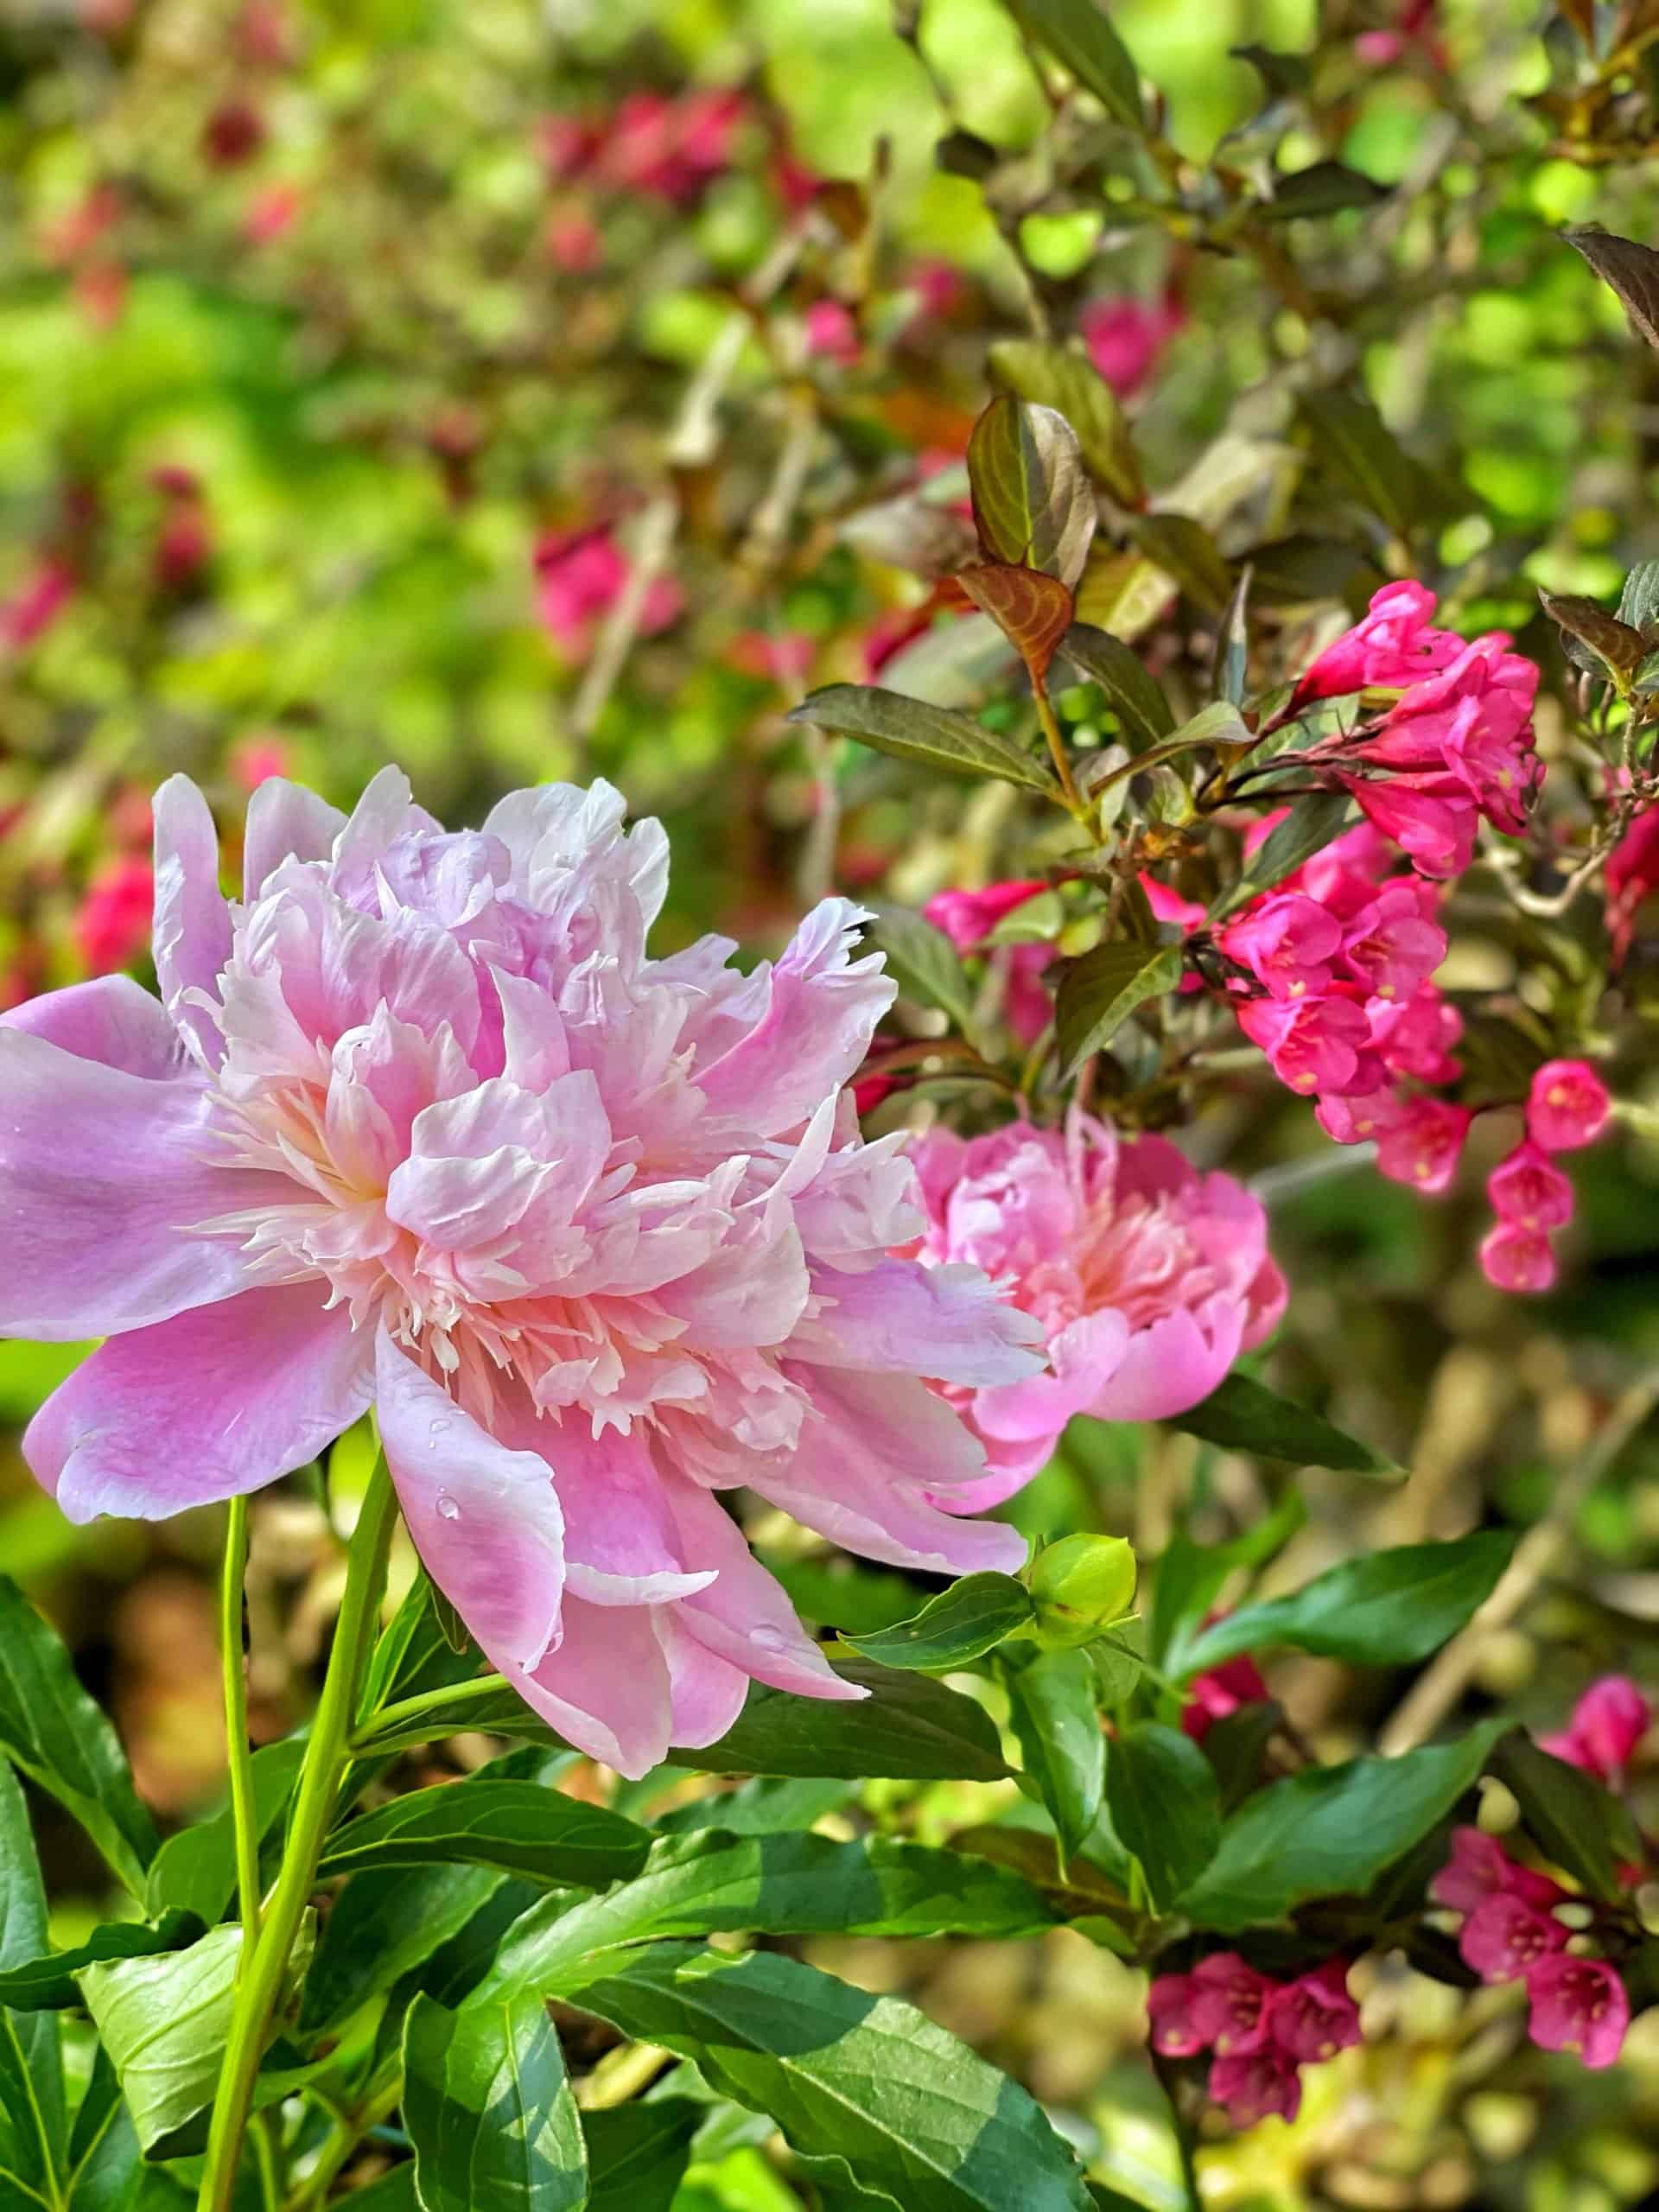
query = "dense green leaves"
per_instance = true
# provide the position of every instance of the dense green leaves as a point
(1131, 692)
(517, 1827)
(933, 737)
(1245, 1415)
(58, 1736)
(1051, 1703)
(195, 1871)
(1331, 1831)
(1078, 33)
(784, 1884)
(488, 2107)
(910, 1727)
(1311, 825)
(637, 2154)
(1165, 1803)
(381, 1927)
(46, 1982)
(1352, 443)
(163, 2021)
(1099, 993)
(1186, 553)
(867, 2081)
(1054, 376)
(32, 2113)
(962, 1623)
(1387, 1609)
(925, 962)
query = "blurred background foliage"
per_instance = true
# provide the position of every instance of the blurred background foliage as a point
(505, 388)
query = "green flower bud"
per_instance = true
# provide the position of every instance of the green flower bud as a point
(1080, 1587)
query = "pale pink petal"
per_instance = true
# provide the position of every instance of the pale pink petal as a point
(1085, 1356)
(707, 1693)
(744, 1615)
(206, 1406)
(103, 1176)
(193, 921)
(285, 822)
(485, 1517)
(1174, 1364)
(605, 1686)
(900, 1318)
(621, 1547)
(110, 1020)
(481, 1163)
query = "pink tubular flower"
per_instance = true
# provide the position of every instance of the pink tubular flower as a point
(1357, 1120)
(1608, 1722)
(1287, 942)
(1261, 2085)
(1124, 338)
(1391, 947)
(1480, 1868)
(1632, 877)
(1578, 2001)
(673, 149)
(1314, 2017)
(1517, 1259)
(1392, 647)
(113, 927)
(1504, 1938)
(1148, 1278)
(1423, 1143)
(1223, 1691)
(418, 1121)
(580, 574)
(1414, 1036)
(1528, 1192)
(1567, 1106)
(1169, 2009)
(1317, 1044)
(1435, 826)
(1229, 2004)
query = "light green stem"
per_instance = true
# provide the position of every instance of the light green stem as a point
(394, 1717)
(233, 1659)
(328, 1754)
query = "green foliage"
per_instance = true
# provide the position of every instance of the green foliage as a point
(961, 1624)
(490, 2111)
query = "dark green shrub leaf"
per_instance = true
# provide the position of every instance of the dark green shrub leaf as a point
(1032, 503)
(637, 2154)
(1387, 1609)
(489, 2110)
(1051, 1697)
(1099, 993)
(1054, 376)
(163, 2021)
(1331, 1831)
(1079, 36)
(1354, 445)
(1165, 1807)
(58, 1736)
(33, 2115)
(924, 964)
(766, 1807)
(1325, 188)
(1629, 270)
(910, 1727)
(866, 2080)
(962, 1623)
(1311, 825)
(1131, 692)
(1245, 1415)
(1638, 603)
(1574, 1819)
(517, 1827)
(933, 736)
(47, 1983)
(1186, 553)
(195, 1871)
(382, 1926)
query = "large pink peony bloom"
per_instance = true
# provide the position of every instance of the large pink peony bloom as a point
(419, 1121)
(1148, 1278)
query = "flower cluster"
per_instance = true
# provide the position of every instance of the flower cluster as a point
(1567, 1106)
(1261, 2031)
(1510, 1933)
(1148, 1279)
(418, 1121)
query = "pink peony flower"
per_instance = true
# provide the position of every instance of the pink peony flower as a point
(1517, 1259)
(1567, 1106)
(1608, 1722)
(1263, 2085)
(1314, 2017)
(1169, 2009)
(419, 1121)
(1215, 1695)
(1578, 2001)
(1148, 1278)
(580, 574)
(1480, 1868)
(1528, 1191)
(112, 927)
(1124, 338)
(1505, 1937)
(1230, 2003)
(1423, 1143)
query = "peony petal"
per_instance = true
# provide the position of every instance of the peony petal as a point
(620, 1537)
(110, 1019)
(606, 1687)
(1085, 1355)
(900, 1318)
(708, 1692)
(484, 1516)
(285, 822)
(192, 922)
(206, 1406)
(103, 1174)
(744, 1615)
(1174, 1363)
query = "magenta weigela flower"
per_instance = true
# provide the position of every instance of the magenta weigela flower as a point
(419, 1121)
(1148, 1278)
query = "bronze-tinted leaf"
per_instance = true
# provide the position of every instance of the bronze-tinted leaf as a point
(1631, 270)
(1032, 611)
(1032, 503)
(1608, 641)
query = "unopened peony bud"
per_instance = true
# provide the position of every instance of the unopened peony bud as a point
(1081, 1587)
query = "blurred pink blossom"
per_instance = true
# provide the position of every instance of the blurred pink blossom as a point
(580, 574)
(1608, 1722)
(1126, 337)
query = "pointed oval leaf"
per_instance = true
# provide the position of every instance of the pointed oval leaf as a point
(638, 2153)
(1132, 693)
(1048, 375)
(1032, 503)
(33, 2114)
(1575, 1819)
(1052, 1707)
(1079, 35)
(1311, 824)
(1245, 1415)
(1186, 553)
(926, 965)
(935, 737)
(1629, 270)
(1605, 642)
(910, 1727)
(1031, 610)
(962, 1623)
(1099, 991)
(1353, 443)
(517, 1827)
(1166, 1806)
(488, 2107)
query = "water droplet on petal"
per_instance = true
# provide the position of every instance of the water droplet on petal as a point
(448, 1508)
(769, 1639)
